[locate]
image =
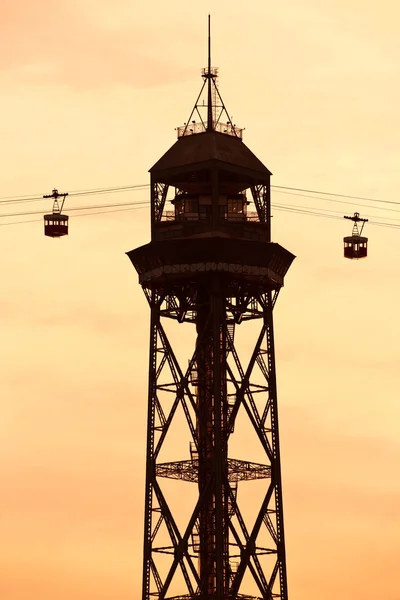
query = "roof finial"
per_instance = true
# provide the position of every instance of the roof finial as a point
(210, 124)
(209, 42)
(212, 112)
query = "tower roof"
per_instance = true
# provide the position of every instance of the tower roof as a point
(213, 140)
(203, 149)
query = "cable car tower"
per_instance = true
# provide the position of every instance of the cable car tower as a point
(55, 223)
(212, 269)
(356, 246)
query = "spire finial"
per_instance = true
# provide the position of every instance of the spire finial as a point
(209, 43)
(209, 100)
(210, 124)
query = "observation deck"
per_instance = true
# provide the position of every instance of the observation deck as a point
(201, 191)
(241, 261)
(193, 217)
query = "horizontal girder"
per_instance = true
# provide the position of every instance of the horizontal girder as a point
(227, 597)
(238, 470)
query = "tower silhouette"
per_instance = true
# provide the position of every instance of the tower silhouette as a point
(212, 272)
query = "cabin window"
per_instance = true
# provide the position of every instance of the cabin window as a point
(205, 211)
(235, 206)
(191, 205)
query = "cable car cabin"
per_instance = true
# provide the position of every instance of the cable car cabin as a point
(55, 225)
(355, 247)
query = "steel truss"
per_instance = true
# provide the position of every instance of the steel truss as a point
(217, 554)
(158, 197)
(262, 199)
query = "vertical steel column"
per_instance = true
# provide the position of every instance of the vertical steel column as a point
(276, 475)
(267, 192)
(211, 401)
(147, 549)
(220, 454)
(205, 432)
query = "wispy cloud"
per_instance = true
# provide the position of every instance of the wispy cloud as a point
(58, 43)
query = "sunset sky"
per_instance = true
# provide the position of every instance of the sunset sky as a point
(91, 91)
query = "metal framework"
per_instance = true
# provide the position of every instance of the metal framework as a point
(215, 531)
(216, 113)
(357, 231)
(212, 429)
(57, 208)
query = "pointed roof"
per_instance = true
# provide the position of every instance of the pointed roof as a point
(201, 149)
(213, 141)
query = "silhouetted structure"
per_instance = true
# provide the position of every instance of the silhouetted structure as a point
(356, 246)
(55, 223)
(211, 264)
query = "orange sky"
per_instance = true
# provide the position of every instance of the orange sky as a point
(91, 93)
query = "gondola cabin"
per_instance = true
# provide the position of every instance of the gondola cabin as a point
(355, 245)
(55, 225)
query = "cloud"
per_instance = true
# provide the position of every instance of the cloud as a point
(58, 43)
(339, 462)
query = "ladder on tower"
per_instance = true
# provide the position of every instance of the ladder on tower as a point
(196, 538)
(194, 456)
(194, 374)
(233, 568)
(254, 305)
(194, 453)
(231, 399)
(230, 335)
(231, 508)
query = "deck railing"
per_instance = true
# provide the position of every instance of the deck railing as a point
(193, 128)
(169, 215)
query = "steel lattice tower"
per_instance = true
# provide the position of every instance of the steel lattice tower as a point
(211, 264)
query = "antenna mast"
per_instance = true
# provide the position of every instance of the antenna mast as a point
(210, 124)
(209, 100)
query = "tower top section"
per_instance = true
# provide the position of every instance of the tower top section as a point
(210, 140)
(215, 177)
(209, 112)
